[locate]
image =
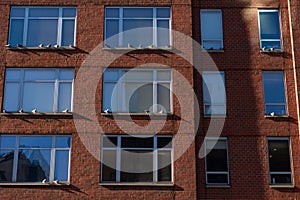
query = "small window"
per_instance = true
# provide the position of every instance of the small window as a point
(274, 93)
(136, 159)
(137, 27)
(38, 26)
(269, 28)
(279, 161)
(214, 95)
(34, 158)
(211, 29)
(46, 90)
(216, 159)
(137, 90)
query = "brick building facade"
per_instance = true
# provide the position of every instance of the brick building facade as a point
(57, 99)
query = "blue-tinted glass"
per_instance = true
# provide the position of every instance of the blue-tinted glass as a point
(271, 44)
(16, 32)
(33, 165)
(62, 141)
(11, 97)
(17, 12)
(163, 12)
(35, 142)
(69, 12)
(274, 87)
(137, 12)
(112, 12)
(112, 29)
(140, 32)
(111, 75)
(61, 165)
(108, 89)
(276, 109)
(163, 33)
(6, 165)
(68, 32)
(64, 96)
(42, 31)
(269, 25)
(7, 142)
(43, 12)
(66, 74)
(12, 74)
(40, 74)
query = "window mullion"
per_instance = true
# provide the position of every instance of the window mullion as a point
(121, 27)
(25, 27)
(155, 94)
(155, 29)
(155, 161)
(59, 28)
(15, 163)
(56, 92)
(21, 89)
(118, 160)
(52, 161)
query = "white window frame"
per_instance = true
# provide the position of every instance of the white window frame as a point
(52, 159)
(276, 104)
(56, 83)
(290, 158)
(216, 172)
(203, 29)
(60, 19)
(154, 18)
(121, 107)
(119, 149)
(269, 40)
(212, 104)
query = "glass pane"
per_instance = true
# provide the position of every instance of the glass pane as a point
(61, 165)
(217, 178)
(111, 75)
(138, 32)
(43, 12)
(281, 178)
(274, 87)
(163, 33)
(137, 12)
(109, 102)
(68, 32)
(109, 165)
(112, 29)
(279, 156)
(6, 165)
(35, 142)
(7, 142)
(137, 142)
(269, 25)
(17, 12)
(111, 142)
(16, 32)
(38, 96)
(214, 109)
(164, 75)
(41, 31)
(215, 144)
(164, 166)
(33, 165)
(65, 96)
(66, 74)
(276, 109)
(136, 166)
(12, 74)
(138, 97)
(271, 44)
(163, 12)
(11, 97)
(216, 160)
(40, 74)
(69, 12)
(211, 25)
(62, 141)
(112, 12)
(213, 88)
(132, 75)
(164, 142)
(163, 97)
(212, 44)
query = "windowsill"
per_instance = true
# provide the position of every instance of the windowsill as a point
(215, 116)
(137, 114)
(214, 50)
(274, 51)
(276, 116)
(37, 114)
(42, 48)
(136, 48)
(33, 184)
(282, 186)
(218, 186)
(139, 184)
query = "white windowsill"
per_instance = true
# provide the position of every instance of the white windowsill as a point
(214, 50)
(136, 48)
(276, 116)
(139, 184)
(282, 186)
(215, 116)
(138, 114)
(41, 48)
(217, 186)
(38, 113)
(274, 51)
(32, 184)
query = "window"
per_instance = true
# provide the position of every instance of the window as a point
(269, 29)
(32, 26)
(47, 90)
(137, 90)
(279, 161)
(216, 161)
(34, 158)
(211, 29)
(274, 93)
(214, 95)
(137, 26)
(136, 159)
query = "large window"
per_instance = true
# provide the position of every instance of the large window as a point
(136, 159)
(269, 29)
(137, 27)
(216, 161)
(34, 158)
(33, 26)
(274, 92)
(211, 29)
(279, 161)
(137, 90)
(46, 90)
(214, 95)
